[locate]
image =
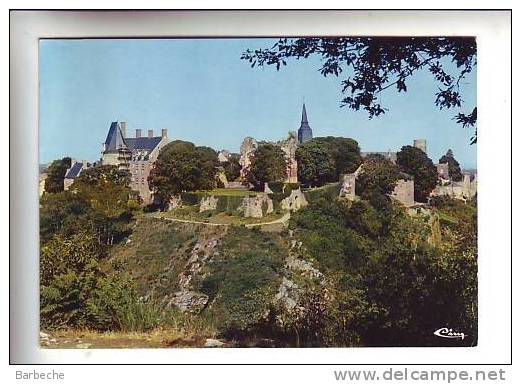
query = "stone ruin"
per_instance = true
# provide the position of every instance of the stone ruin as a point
(462, 190)
(347, 186)
(248, 147)
(404, 192)
(252, 206)
(295, 201)
(288, 146)
(208, 203)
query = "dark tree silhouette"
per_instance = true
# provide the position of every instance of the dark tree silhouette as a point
(415, 162)
(378, 63)
(454, 168)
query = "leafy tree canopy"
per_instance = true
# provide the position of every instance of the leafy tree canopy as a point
(268, 165)
(375, 64)
(454, 168)
(55, 175)
(232, 168)
(378, 175)
(415, 162)
(181, 166)
(323, 159)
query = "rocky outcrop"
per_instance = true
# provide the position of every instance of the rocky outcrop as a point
(288, 295)
(253, 206)
(186, 299)
(303, 267)
(294, 201)
(208, 203)
(189, 301)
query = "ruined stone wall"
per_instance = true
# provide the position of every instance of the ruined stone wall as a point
(347, 187)
(443, 170)
(404, 192)
(289, 147)
(294, 201)
(248, 147)
(462, 190)
(253, 206)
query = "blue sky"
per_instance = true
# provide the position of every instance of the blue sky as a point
(201, 91)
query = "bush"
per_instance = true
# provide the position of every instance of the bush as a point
(328, 192)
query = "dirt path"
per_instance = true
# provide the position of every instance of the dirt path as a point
(284, 219)
(189, 221)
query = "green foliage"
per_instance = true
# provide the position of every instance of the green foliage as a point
(55, 175)
(315, 164)
(64, 213)
(242, 279)
(267, 165)
(328, 192)
(378, 175)
(454, 168)
(99, 199)
(180, 167)
(373, 64)
(232, 168)
(391, 285)
(69, 268)
(415, 162)
(102, 174)
(324, 159)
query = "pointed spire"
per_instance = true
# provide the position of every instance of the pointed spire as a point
(304, 133)
(304, 114)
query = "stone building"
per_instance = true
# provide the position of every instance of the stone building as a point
(304, 132)
(135, 154)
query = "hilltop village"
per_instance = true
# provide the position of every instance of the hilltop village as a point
(137, 154)
(305, 241)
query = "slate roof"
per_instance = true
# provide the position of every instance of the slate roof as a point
(74, 171)
(304, 133)
(114, 139)
(142, 143)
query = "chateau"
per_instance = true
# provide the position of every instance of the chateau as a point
(135, 154)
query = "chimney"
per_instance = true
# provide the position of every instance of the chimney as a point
(150, 133)
(164, 133)
(123, 127)
(138, 132)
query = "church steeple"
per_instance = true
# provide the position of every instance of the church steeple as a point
(304, 114)
(304, 133)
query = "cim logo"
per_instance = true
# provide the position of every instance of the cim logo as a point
(448, 333)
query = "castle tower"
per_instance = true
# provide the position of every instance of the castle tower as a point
(304, 133)
(421, 144)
